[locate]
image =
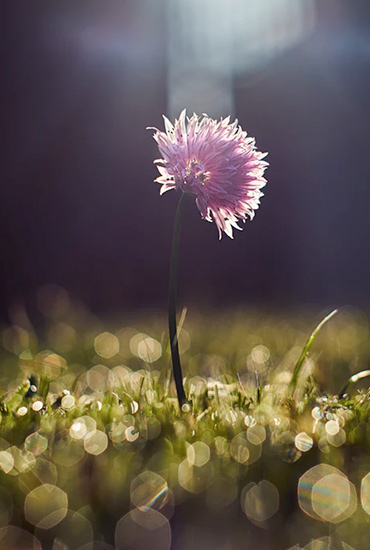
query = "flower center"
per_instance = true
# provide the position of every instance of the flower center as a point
(193, 176)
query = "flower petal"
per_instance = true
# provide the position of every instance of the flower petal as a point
(215, 160)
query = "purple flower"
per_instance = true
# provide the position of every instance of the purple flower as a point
(217, 162)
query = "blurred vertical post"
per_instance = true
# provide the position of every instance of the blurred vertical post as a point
(199, 57)
(210, 42)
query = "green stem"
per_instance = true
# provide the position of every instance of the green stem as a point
(172, 294)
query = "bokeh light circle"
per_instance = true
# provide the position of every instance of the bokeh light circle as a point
(149, 491)
(303, 442)
(323, 543)
(15, 538)
(243, 451)
(326, 494)
(198, 453)
(332, 427)
(260, 501)
(139, 530)
(146, 348)
(82, 426)
(6, 461)
(98, 378)
(96, 442)
(365, 493)
(195, 479)
(256, 434)
(36, 443)
(23, 460)
(330, 496)
(337, 439)
(96, 545)
(37, 406)
(68, 401)
(46, 506)
(106, 345)
(43, 471)
(67, 453)
(72, 532)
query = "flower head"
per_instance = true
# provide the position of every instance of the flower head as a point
(216, 161)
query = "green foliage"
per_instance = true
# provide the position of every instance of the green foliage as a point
(90, 421)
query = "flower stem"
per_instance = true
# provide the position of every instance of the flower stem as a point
(172, 295)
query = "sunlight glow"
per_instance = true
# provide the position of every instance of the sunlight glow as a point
(239, 37)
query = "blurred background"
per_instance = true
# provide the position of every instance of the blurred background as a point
(81, 81)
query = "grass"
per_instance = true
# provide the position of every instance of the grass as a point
(93, 445)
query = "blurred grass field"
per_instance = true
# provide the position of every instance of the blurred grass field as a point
(94, 448)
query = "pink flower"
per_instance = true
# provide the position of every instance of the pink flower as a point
(217, 162)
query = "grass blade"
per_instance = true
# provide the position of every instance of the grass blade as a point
(306, 349)
(352, 380)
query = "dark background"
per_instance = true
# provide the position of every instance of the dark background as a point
(78, 206)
